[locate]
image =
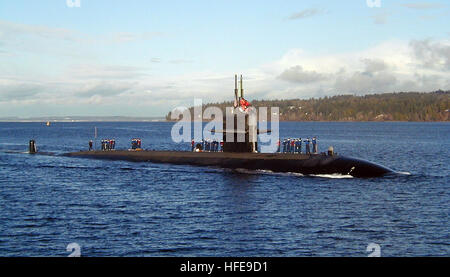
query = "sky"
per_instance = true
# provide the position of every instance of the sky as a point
(144, 58)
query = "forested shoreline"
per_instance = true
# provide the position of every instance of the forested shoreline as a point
(402, 106)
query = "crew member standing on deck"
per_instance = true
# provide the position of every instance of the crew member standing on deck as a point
(297, 146)
(300, 145)
(308, 151)
(90, 145)
(314, 143)
(293, 146)
(192, 145)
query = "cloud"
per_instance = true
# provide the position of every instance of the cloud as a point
(11, 90)
(374, 65)
(422, 5)
(305, 14)
(296, 74)
(387, 67)
(435, 55)
(363, 83)
(104, 89)
(97, 71)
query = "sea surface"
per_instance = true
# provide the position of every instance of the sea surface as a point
(119, 208)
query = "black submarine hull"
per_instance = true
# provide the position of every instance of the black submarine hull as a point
(313, 164)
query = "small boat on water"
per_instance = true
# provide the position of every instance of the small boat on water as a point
(48, 123)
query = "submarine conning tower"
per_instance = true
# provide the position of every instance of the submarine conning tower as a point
(240, 124)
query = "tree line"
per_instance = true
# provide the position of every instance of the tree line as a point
(402, 106)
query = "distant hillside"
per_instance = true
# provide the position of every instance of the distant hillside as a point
(403, 106)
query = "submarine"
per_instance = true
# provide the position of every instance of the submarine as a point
(242, 153)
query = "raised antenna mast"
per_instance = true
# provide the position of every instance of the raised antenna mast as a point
(242, 89)
(236, 89)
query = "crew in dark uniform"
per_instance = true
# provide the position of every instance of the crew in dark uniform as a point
(300, 145)
(90, 145)
(314, 143)
(284, 145)
(192, 145)
(308, 150)
(221, 146)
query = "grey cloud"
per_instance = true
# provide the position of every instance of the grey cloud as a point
(296, 74)
(423, 83)
(362, 83)
(305, 13)
(432, 54)
(105, 89)
(374, 65)
(19, 91)
(155, 60)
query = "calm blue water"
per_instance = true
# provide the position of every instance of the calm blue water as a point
(117, 208)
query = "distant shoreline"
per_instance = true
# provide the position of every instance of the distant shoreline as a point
(83, 119)
(163, 120)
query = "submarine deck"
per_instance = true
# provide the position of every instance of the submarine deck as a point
(276, 162)
(152, 154)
